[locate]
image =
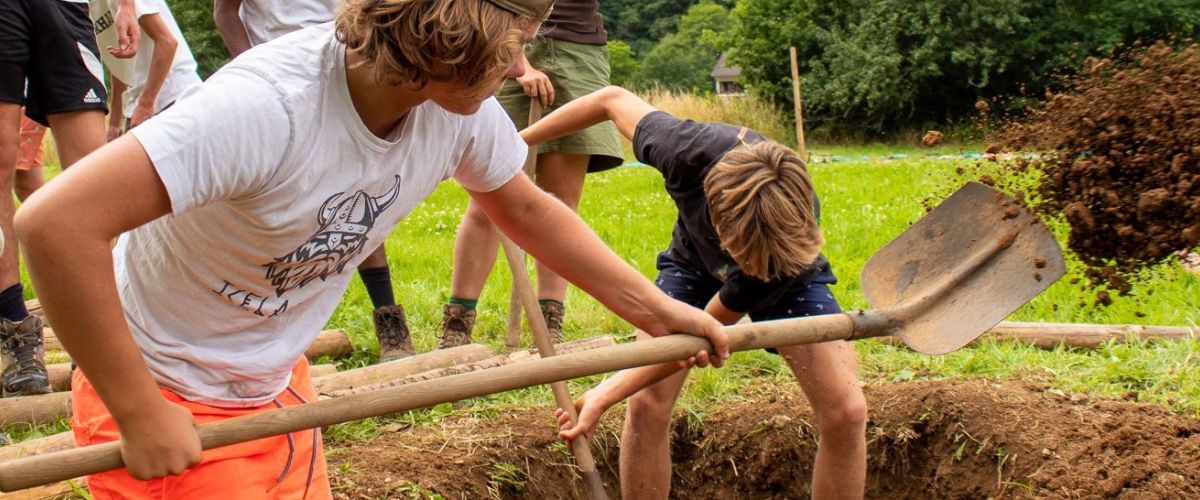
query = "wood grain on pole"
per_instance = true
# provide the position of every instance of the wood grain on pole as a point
(1078, 335)
(61, 489)
(799, 106)
(512, 337)
(67, 464)
(441, 358)
(40, 409)
(332, 343)
(30, 447)
(329, 390)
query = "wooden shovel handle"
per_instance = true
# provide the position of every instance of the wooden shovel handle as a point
(67, 464)
(512, 336)
(594, 488)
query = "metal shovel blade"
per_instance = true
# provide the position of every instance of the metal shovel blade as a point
(962, 269)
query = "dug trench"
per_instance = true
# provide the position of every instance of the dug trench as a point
(926, 439)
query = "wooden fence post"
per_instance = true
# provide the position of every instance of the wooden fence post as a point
(800, 147)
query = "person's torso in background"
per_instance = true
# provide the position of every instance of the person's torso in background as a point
(575, 21)
(267, 20)
(134, 71)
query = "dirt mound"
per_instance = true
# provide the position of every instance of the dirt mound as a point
(1125, 161)
(932, 138)
(941, 439)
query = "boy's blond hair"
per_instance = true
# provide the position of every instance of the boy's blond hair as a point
(413, 42)
(760, 199)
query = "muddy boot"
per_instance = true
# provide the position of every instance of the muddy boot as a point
(553, 311)
(457, 322)
(391, 328)
(24, 361)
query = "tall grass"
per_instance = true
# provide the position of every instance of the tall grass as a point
(746, 110)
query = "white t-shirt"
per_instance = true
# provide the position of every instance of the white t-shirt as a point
(278, 191)
(267, 20)
(134, 71)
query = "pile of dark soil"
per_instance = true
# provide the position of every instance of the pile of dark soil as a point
(941, 439)
(1124, 161)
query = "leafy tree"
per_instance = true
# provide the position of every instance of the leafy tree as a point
(642, 23)
(622, 65)
(195, 18)
(684, 60)
(879, 65)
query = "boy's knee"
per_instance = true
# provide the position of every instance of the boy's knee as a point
(650, 409)
(475, 216)
(848, 416)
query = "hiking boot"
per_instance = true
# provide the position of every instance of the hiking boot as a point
(457, 322)
(553, 312)
(391, 328)
(24, 361)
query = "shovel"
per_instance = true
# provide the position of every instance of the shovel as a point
(955, 273)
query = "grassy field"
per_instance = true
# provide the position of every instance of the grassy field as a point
(865, 204)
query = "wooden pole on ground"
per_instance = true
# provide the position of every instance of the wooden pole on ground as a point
(332, 343)
(43, 408)
(432, 360)
(512, 337)
(1078, 335)
(800, 147)
(498, 360)
(592, 485)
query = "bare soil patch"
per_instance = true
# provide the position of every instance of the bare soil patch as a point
(929, 439)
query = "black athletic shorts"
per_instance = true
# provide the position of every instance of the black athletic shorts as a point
(50, 43)
(684, 283)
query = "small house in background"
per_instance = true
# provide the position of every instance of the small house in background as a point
(726, 78)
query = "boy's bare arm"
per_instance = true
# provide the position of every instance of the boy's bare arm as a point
(165, 46)
(230, 25)
(628, 382)
(621, 106)
(558, 238)
(66, 229)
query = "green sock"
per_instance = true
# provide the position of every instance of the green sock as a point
(544, 302)
(468, 304)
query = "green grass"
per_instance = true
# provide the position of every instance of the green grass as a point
(865, 205)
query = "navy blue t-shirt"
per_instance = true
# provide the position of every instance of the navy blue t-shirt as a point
(684, 151)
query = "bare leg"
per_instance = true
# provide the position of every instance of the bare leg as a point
(378, 258)
(475, 246)
(828, 375)
(561, 175)
(77, 134)
(10, 122)
(646, 439)
(28, 181)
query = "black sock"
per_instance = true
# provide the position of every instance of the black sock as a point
(378, 281)
(546, 302)
(12, 304)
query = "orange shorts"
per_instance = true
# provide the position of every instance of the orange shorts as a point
(29, 155)
(291, 466)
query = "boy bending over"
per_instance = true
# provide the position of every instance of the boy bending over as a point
(746, 241)
(242, 211)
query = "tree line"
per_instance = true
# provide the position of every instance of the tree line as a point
(869, 66)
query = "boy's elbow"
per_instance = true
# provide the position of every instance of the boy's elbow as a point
(613, 93)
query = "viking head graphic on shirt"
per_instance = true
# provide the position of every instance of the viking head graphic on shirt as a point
(344, 222)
